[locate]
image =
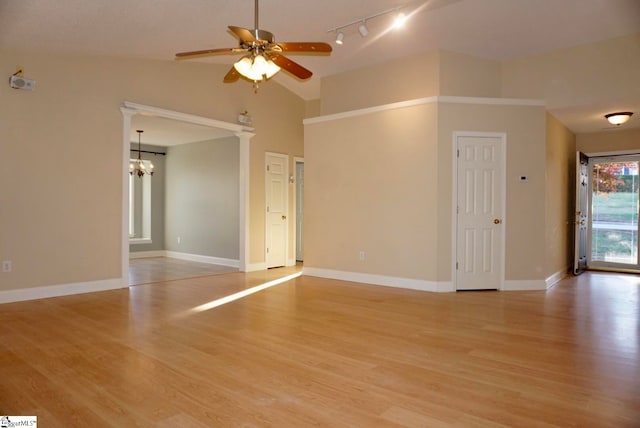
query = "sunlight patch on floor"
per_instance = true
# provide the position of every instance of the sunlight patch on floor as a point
(244, 293)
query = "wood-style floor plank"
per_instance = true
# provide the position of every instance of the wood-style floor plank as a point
(317, 352)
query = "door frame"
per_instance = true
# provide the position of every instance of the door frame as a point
(502, 136)
(294, 216)
(581, 213)
(589, 155)
(266, 214)
(244, 135)
(603, 265)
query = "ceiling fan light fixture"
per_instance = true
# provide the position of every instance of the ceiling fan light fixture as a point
(257, 68)
(362, 29)
(340, 38)
(618, 118)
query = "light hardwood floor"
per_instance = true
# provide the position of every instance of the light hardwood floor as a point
(158, 269)
(316, 352)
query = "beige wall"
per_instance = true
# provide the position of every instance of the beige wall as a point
(560, 196)
(383, 183)
(525, 202)
(468, 76)
(575, 75)
(312, 108)
(399, 80)
(421, 76)
(614, 140)
(371, 185)
(568, 79)
(61, 221)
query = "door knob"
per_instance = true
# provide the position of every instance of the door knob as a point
(497, 221)
(284, 217)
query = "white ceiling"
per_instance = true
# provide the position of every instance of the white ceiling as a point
(157, 29)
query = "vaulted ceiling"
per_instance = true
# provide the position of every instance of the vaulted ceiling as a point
(157, 29)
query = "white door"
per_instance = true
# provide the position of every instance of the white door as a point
(480, 212)
(581, 223)
(277, 167)
(299, 209)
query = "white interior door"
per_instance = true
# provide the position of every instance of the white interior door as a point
(581, 219)
(480, 212)
(299, 209)
(277, 170)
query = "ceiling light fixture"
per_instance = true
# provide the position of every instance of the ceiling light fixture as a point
(401, 19)
(362, 27)
(137, 167)
(618, 118)
(256, 67)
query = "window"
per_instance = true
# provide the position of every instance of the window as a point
(140, 208)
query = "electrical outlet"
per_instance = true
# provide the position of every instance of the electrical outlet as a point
(361, 255)
(6, 266)
(179, 239)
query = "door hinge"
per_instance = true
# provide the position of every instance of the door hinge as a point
(267, 208)
(456, 265)
(267, 167)
(267, 250)
(458, 153)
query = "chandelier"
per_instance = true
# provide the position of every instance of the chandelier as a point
(137, 167)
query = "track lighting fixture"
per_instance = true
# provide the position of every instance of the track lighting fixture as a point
(362, 27)
(400, 20)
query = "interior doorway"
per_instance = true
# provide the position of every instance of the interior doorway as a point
(244, 135)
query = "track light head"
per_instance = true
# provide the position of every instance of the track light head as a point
(362, 29)
(340, 38)
(400, 20)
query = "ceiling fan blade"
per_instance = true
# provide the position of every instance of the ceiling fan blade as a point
(231, 76)
(309, 47)
(291, 66)
(207, 52)
(243, 34)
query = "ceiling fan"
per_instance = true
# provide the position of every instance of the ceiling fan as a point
(264, 57)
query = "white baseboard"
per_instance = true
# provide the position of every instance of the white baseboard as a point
(33, 293)
(146, 254)
(253, 267)
(387, 281)
(185, 256)
(203, 259)
(524, 285)
(556, 277)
